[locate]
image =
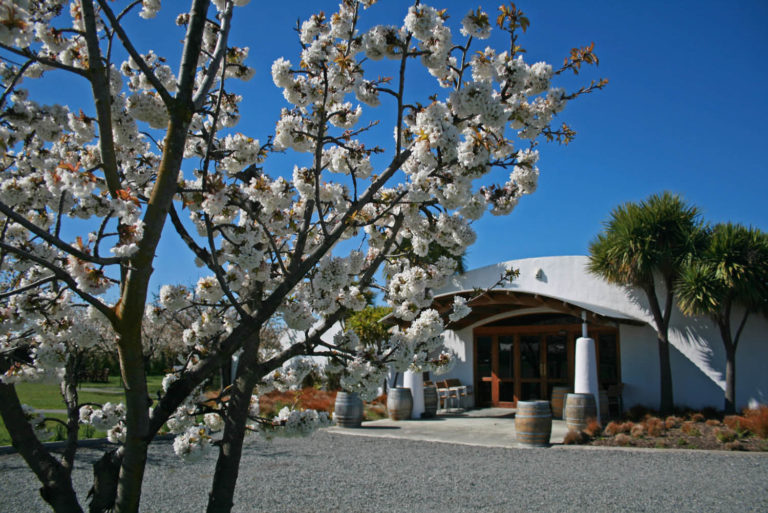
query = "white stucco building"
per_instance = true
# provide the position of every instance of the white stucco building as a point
(518, 342)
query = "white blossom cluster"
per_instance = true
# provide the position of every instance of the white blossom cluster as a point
(288, 377)
(110, 418)
(300, 422)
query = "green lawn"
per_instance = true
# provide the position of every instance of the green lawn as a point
(43, 396)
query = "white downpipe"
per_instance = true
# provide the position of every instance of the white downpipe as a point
(414, 381)
(585, 378)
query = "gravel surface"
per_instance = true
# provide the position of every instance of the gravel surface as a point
(338, 473)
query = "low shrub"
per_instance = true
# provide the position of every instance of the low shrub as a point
(725, 435)
(713, 422)
(613, 428)
(573, 437)
(637, 430)
(734, 422)
(697, 417)
(689, 428)
(672, 422)
(654, 426)
(756, 420)
(312, 398)
(593, 428)
(735, 446)
(623, 440)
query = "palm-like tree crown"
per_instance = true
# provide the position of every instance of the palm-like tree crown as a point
(639, 239)
(733, 268)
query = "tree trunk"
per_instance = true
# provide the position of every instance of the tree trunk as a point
(730, 379)
(665, 369)
(57, 485)
(231, 445)
(106, 471)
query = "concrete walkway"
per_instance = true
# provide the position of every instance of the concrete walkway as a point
(486, 427)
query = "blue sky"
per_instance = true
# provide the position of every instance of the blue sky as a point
(685, 111)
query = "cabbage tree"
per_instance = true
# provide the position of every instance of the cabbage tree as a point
(644, 245)
(733, 270)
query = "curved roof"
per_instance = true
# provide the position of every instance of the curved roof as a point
(560, 283)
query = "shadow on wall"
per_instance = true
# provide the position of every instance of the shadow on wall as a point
(700, 343)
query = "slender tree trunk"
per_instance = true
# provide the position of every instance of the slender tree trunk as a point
(730, 379)
(136, 420)
(665, 369)
(56, 487)
(106, 471)
(661, 321)
(220, 499)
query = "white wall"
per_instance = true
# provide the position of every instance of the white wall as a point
(461, 343)
(697, 355)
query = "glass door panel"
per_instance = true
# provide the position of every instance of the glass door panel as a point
(530, 356)
(484, 360)
(484, 378)
(530, 391)
(557, 357)
(506, 357)
(507, 392)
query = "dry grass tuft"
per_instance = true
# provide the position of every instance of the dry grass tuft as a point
(689, 428)
(756, 420)
(613, 428)
(697, 417)
(593, 428)
(734, 422)
(654, 426)
(575, 438)
(623, 440)
(672, 422)
(735, 446)
(713, 422)
(637, 431)
(725, 435)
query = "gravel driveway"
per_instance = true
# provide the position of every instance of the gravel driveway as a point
(337, 473)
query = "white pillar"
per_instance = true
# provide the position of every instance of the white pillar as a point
(585, 379)
(414, 381)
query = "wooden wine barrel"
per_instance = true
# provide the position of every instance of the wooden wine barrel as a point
(430, 401)
(399, 403)
(558, 400)
(604, 411)
(533, 423)
(348, 411)
(579, 409)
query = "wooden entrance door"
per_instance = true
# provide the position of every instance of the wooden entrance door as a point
(526, 362)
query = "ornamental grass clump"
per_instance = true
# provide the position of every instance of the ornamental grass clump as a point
(593, 428)
(623, 440)
(725, 435)
(654, 426)
(756, 421)
(573, 437)
(613, 428)
(689, 428)
(672, 422)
